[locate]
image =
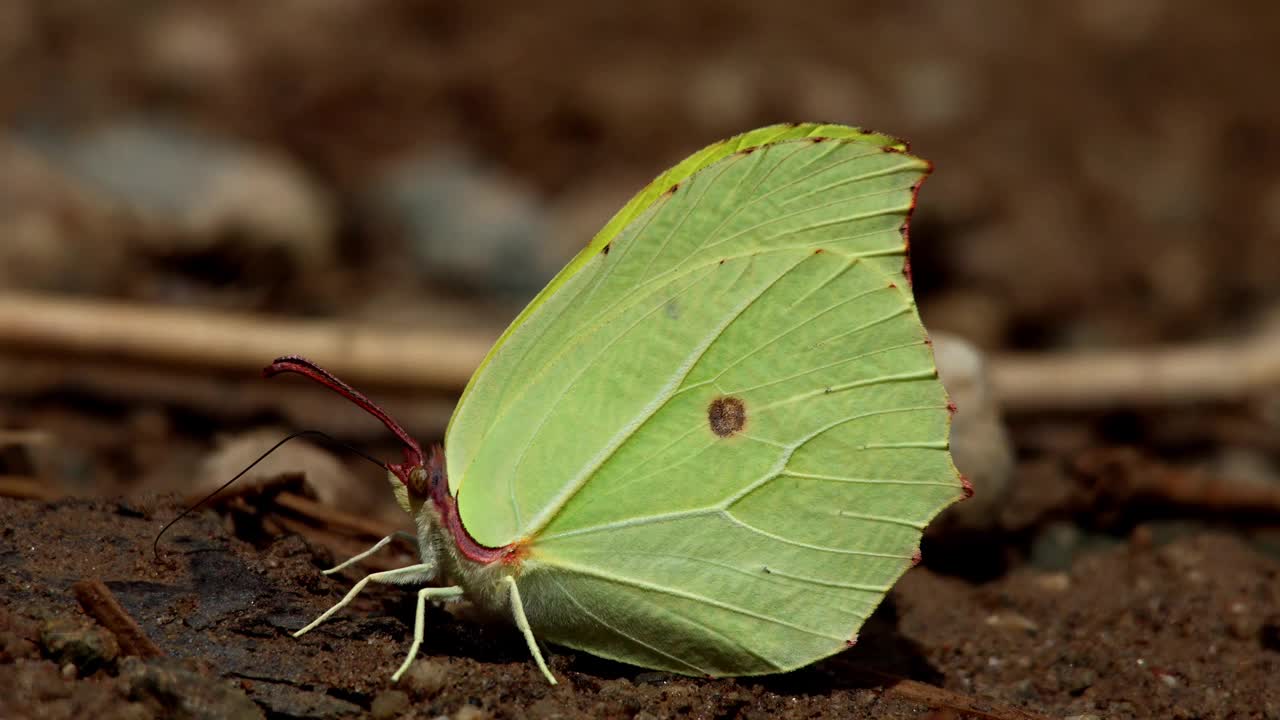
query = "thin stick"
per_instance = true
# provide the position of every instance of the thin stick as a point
(936, 697)
(940, 698)
(203, 340)
(340, 545)
(207, 339)
(101, 605)
(328, 517)
(1208, 372)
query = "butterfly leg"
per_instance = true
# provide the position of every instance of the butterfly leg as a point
(420, 619)
(522, 622)
(413, 574)
(378, 546)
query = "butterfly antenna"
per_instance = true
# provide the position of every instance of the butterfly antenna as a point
(155, 544)
(413, 455)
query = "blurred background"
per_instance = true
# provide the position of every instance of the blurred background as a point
(186, 187)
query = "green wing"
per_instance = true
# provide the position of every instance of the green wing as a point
(646, 197)
(721, 433)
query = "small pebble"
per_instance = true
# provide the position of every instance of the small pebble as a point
(1012, 621)
(980, 443)
(465, 223)
(1054, 582)
(426, 678)
(471, 712)
(389, 704)
(66, 640)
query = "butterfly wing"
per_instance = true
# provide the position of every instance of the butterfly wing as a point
(629, 212)
(720, 432)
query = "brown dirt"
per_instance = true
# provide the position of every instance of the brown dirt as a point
(1188, 629)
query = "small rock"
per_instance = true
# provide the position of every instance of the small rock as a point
(1012, 620)
(208, 188)
(389, 704)
(466, 225)
(980, 444)
(18, 637)
(426, 678)
(1054, 582)
(547, 709)
(1074, 679)
(471, 712)
(173, 690)
(85, 648)
(57, 237)
(326, 476)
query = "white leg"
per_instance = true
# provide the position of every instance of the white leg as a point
(424, 572)
(522, 622)
(377, 546)
(420, 618)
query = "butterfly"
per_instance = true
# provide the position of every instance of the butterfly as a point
(711, 444)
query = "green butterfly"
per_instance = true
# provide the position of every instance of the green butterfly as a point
(711, 444)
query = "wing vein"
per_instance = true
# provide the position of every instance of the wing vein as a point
(692, 597)
(667, 391)
(622, 633)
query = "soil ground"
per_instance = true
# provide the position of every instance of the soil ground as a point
(1184, 630)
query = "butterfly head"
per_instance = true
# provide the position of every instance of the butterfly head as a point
(421, 476)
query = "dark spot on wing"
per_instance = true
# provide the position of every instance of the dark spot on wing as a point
(818, 251)
(671, 190)
(817, 140)
(726, 416)
(747, 151)
(605, 250)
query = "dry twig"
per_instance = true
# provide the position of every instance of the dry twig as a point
(325, 516)
(937, 697)
(1213, 372)
(101, 605)
(202, 340)
(205, 339)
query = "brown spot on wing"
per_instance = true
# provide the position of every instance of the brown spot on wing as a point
(726, 416)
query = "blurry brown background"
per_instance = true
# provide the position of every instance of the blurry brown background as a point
(1107, 176)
